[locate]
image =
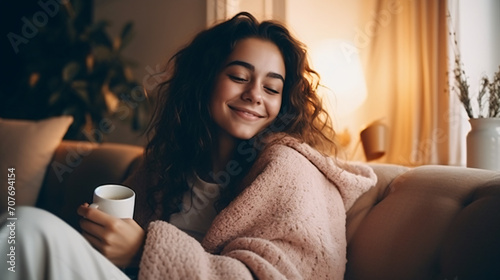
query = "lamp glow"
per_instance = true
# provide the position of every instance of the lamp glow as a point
(339, 66)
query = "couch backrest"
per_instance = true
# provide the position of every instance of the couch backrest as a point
(77, 168)
(431, 222)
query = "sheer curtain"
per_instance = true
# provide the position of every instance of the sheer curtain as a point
(404, 49)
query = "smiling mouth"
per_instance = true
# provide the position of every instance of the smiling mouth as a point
(249, 114)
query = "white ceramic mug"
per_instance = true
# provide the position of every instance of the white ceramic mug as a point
(115, 200)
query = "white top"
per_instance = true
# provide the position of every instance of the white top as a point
(198, 210)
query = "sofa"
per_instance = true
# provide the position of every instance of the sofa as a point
(427, 222)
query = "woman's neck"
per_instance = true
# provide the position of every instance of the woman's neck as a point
(222, 153)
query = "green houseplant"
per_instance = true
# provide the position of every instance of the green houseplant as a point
(72, 66)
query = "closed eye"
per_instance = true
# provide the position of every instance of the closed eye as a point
(272, 90)
(237, 79)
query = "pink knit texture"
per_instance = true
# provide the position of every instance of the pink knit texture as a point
(287, 223)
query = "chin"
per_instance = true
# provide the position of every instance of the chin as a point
(243, 134)
(242, 131)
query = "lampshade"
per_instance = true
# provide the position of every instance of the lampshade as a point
(339, 66)
(374, 139)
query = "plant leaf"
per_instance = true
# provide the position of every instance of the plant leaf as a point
(102, 53)
(80, 89)
(126, 35)
(99, 36)
(54, 97)
(70, 71)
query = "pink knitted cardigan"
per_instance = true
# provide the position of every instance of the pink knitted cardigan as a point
(287, 223)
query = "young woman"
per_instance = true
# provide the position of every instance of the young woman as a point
(237, 181)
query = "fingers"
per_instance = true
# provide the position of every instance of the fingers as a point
(120, 240)
(94, 241)
(95, 215)
(95, 225)
(82, 209)
(92, 228)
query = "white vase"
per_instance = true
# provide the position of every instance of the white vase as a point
(483, 144)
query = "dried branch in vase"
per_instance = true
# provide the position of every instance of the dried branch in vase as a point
(488, 97)
(462, 86)
(482, 92)
(494, 89)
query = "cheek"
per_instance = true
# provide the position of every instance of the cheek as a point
(274, 107)
(223, 91)
(217, 94)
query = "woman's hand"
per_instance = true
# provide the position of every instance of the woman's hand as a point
(120, 240)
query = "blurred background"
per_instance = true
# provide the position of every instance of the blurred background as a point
(383, 63)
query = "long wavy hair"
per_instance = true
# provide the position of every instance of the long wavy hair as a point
(182, 130)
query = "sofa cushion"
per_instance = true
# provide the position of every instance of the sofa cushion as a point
(77, 168)
(432, 222)
(28, 146)
(386, 173)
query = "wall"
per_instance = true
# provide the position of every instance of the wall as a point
(160, 28)
(479, 37)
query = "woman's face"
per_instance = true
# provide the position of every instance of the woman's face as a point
(248, 91)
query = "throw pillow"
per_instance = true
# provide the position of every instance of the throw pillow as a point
(26, 148)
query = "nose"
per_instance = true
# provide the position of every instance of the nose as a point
(253, 93)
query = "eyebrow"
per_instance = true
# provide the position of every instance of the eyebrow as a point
(252, 68)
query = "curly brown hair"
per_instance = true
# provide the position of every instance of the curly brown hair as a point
(182, 129)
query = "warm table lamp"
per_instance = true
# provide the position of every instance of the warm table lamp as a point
(374, 139)
(340, 69)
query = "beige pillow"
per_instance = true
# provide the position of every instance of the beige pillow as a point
(27, 146)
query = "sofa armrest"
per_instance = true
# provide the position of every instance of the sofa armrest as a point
(386, 173)
(431, 222)
(77, 168)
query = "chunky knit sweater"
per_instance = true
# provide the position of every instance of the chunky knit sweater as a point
(287, 223)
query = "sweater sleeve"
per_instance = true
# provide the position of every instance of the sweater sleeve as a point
(288, 223)
(172, 254)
